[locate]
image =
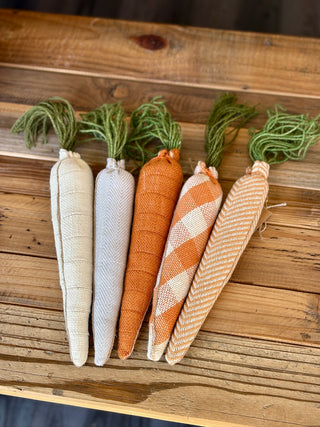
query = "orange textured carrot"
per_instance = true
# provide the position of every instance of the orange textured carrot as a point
(157, 192)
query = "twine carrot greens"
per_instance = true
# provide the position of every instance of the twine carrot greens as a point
(284, 137)
(226, 111)
(107, 123)
(151, 122)
(56, 112)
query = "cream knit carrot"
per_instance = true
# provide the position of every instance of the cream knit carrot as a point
(283, 137)
(71, 188)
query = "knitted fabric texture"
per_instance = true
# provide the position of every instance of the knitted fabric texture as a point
(158, 189)
(113, 215)
(234, 227)
(192, 222)
(71, 186)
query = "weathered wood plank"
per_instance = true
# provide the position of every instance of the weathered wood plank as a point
(301, 217)
(304, 174)
(187, 104)
(284, 257)
(31, 177)
(26, 225)
(263, 312)
(280, 315)
(30, 281)
(274, 292)
(26, 229)
(25, 176)
(245, 381)
(214, 58)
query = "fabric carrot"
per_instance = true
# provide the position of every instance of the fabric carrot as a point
(71, 187)
(114, 195)
(157, 192)
(194, 216)
(283, 137)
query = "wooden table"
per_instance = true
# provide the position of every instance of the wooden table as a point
(256, 360)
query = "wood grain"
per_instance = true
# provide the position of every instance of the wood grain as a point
(24, 175)
(30, 281)
(229, 60)
(26, 225)
(265, 311)
(26, 229)
(266, 377)
(187, 104)
(256, 359)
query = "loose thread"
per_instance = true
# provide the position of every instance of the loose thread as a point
(279, 205)
(262, 228)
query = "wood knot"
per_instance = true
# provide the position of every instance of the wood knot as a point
(150, 41)
(119, 91)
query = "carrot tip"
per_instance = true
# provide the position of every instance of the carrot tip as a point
(124, 354)
(79, 361)
(172, 361)
(154, 357)
(99, 362)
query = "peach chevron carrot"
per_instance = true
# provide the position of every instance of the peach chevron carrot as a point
(157, 192)
(71, 188)
(283, 137)
(114, 195)
(194, 216)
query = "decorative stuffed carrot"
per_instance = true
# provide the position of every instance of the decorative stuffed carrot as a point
(283, 137)
(71, 186)
(114, 197)
(157, 192)
(194, 216)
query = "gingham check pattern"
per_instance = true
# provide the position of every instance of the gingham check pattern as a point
(192, 222)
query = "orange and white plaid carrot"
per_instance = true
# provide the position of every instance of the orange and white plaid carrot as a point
(283, 137)
(194, 216)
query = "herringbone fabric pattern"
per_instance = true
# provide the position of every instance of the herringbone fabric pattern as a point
(234, 226)
(195, 213)
(113, 215)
